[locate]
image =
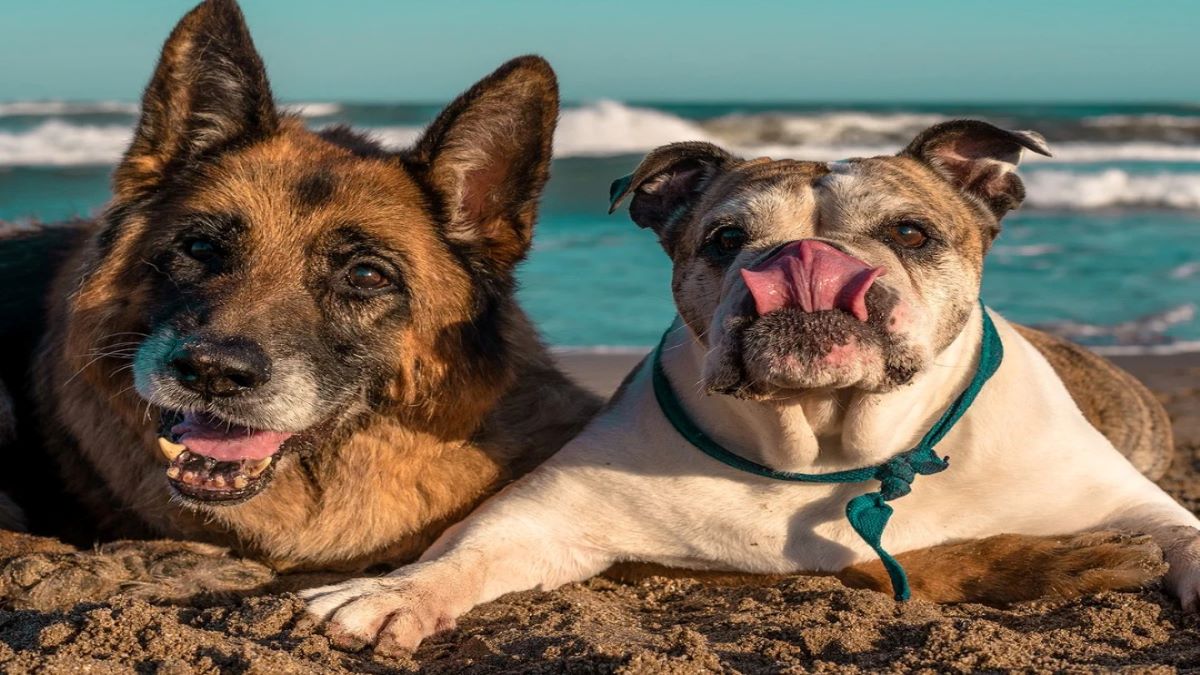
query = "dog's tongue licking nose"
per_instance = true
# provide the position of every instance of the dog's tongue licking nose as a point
(223, 442)
(813, 276)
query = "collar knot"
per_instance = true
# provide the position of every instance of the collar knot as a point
(896, 475)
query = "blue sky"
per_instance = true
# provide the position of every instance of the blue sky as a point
(417, 50)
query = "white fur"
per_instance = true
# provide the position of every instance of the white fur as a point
(1022, 460)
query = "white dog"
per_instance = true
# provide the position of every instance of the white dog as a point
(829, 323)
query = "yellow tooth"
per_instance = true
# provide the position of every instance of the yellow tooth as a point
(255, 469)
(172, 472)
(218, 481)
(240, 482)
(169, 449)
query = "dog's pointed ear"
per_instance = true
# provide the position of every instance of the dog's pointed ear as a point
(208, 93)
(979, 159)
(488, 156)
(667, 183)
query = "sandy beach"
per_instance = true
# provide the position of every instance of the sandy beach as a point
(180, 608)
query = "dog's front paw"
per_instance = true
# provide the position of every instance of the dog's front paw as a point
(393, 614)
(1182, 551)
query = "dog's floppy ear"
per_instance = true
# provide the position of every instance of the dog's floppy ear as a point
(979, 159)
(667, 183)
(209, 93)
(488, 156)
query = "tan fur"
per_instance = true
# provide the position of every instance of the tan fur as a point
(1008, 568)
(999, 571)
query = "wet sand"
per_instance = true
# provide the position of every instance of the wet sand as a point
(179, 608)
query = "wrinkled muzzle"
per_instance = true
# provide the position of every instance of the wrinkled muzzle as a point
(812, 276)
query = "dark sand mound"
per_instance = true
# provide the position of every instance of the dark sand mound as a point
(183, 608)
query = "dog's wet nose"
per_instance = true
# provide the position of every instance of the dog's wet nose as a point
(221, 367)
(811, 275)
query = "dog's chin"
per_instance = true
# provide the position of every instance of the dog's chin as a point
(790, 352)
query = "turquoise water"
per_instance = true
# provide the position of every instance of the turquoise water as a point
(1106, 250)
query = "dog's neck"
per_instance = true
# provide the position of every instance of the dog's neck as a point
(825, 430)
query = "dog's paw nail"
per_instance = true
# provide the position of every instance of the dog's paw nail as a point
(343, 639)
(393, 645)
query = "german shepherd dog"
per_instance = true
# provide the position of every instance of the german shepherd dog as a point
(306, 347)
(300, 344)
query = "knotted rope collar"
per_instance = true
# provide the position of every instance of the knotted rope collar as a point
(868, 514)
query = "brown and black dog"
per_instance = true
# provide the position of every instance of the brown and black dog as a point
(328, 327)
(306, 347)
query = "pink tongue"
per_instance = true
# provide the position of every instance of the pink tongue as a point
(218, 440)
(813, 276)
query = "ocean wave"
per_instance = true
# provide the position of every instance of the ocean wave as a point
(1186, 270)
(1026, 250)
(611, 128)
(58, 143)
(313, 109)
(607, 128)
(820, 129)
(1144, 331)
(48, 108)
(1111, 189)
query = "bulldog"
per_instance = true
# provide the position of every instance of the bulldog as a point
(829, 328)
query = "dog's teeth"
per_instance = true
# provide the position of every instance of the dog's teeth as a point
(240, 482)
(189, 476)
(170, 449)
(255, 469)
(218, 481)
(173, 472)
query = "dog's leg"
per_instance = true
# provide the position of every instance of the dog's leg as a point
(515, 542)
(1009, 568)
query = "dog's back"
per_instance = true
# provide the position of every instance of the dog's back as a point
(29, 257)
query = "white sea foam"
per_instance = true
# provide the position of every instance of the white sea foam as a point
(1027, 250)
(613, 128)
(313, 109)
(58, 143)
(846, 128)
(38, 108)
(1142, 331)
(1186, 270)
(1149, 119)
(1112, 188)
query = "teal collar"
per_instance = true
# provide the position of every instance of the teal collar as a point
(868, 514)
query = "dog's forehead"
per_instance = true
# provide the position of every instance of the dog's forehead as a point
(764, 184)
(314, 185)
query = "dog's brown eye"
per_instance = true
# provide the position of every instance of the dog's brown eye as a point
(201, 249)
(730, 239)
(908, 235)
(367, 278)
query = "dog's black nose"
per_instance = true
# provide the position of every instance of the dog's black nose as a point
(221, 367)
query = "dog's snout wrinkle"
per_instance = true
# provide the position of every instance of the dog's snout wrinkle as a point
(812, 275)
(221, 368)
